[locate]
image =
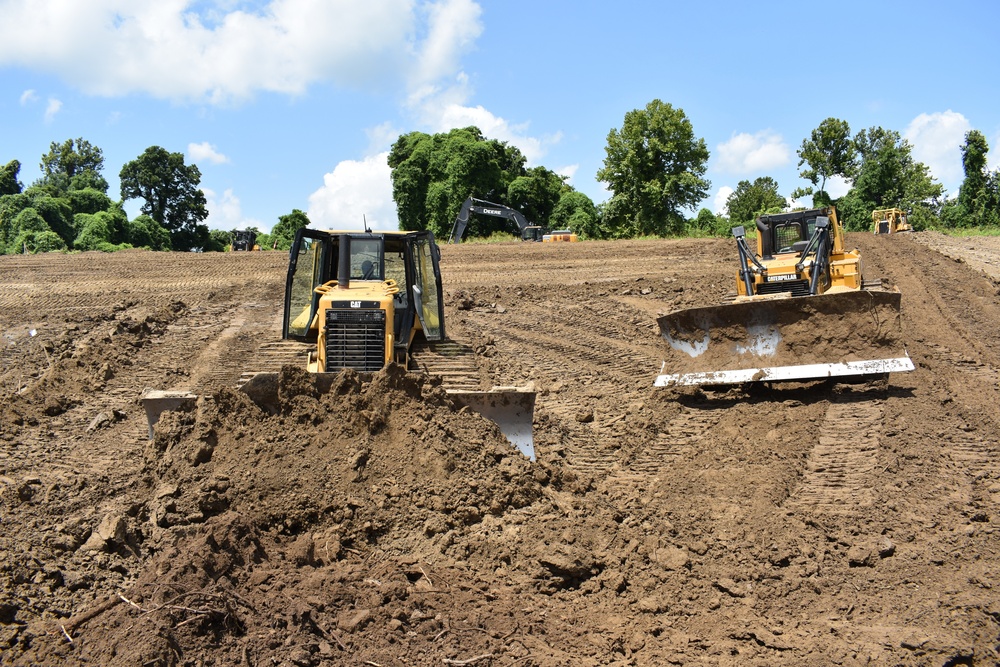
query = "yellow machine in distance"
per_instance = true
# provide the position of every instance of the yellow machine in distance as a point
(890, 221)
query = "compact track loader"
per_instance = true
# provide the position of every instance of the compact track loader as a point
(802, 312)
(359, 301)
(890, 221)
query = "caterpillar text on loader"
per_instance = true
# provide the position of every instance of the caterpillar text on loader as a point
(359, 301)
(802, 312)
(890, 221)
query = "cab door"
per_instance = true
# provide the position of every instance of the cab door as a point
(308, 264)
(427, 286)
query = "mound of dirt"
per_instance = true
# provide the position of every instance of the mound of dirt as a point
(235, 495)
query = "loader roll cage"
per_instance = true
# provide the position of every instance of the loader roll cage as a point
(409, 259)
(807, 233)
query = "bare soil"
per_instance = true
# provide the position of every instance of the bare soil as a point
(380, 524)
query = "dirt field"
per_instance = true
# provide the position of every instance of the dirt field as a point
(379, 525)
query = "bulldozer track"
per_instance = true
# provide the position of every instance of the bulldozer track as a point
(840, 464)
(677, 441)
(452, 361)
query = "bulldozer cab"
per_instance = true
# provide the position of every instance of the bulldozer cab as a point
(790, 232)
(409, 259)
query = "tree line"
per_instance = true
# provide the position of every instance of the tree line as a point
(69, 208)
(654, 170)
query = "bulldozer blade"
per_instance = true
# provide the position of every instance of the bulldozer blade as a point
(845, 334)
(511, 408)
(157, 401)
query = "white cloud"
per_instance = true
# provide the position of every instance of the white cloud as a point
(937, 141)
(569, 171)
(219, 53)
(354, 193)
(719, 206)
(837, 186)
(28, 96)
(51, 109)
(205, 152)
(753, 153)
(226, 212)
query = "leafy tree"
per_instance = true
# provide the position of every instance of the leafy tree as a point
(887, 177)
(10, 207)
(73, 165)
(30, 231)
(89, 200)
(218, 241)
(654, 169)
(283, 233)
(144, 232)
(708, 223)
(433, 174)
(978, 200)
(576, 211)
(56, 211)
(828, 152)
(749, 200)
(9, 185)
(170, 191)
(536, 193)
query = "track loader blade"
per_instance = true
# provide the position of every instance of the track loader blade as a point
(848, 334)
(511, 408)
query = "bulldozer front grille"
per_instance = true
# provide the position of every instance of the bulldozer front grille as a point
(355, 339)
(795, 287)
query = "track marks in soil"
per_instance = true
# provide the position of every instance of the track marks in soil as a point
(840, 465)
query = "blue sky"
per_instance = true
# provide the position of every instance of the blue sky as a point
(287, 104)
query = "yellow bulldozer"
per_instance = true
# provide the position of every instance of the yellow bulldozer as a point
(359, 301)
(802, 312)
(890, 221)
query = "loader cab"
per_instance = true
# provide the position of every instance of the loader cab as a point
(786, 233)
(411, 259)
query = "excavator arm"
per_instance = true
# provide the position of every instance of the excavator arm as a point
(482, 207)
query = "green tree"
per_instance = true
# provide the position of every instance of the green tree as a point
(219, 240)
(749, 200)
(144, 232)
(9, 185)
(708, 223)
(536, 193)
(433, 174)
(887, 177)
(829, 151)
(169, 189)
(73, 165)
(283, 233)
(30, 232)
(654, 168)
(57, 212)
(977, 196)
(576, 211)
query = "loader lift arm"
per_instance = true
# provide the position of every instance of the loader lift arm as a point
(818, 245)
(746, 259)
(483, 207)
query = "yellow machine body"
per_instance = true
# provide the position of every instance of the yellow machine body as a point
(890, 221)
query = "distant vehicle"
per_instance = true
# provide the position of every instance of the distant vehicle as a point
(890, 221)
(244, 240)
(528, 231)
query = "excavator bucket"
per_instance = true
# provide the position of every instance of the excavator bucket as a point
(510, 408)
(849, 334)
